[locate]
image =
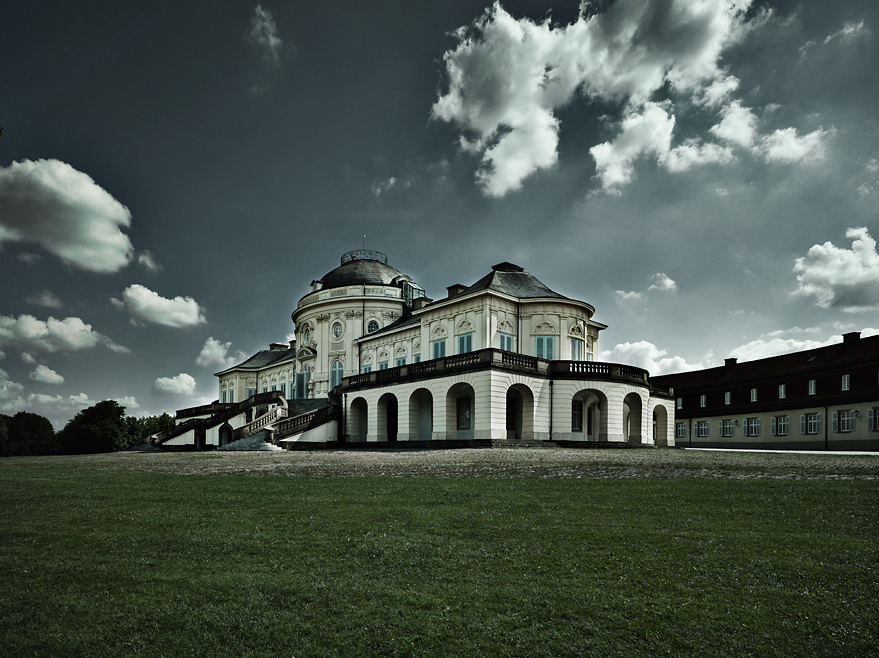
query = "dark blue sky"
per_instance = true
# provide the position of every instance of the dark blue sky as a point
(173, 173)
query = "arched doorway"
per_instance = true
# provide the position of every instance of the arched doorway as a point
(225, 435)
(421, 415)
(357, 420)
(387, 417)
(660, 426)
(589, 416)
(460, 412)
(632, 418)
(520, 412)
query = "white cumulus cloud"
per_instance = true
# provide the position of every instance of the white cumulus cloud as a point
(785, 145)
(644, 354)
(128, 402)
(66, 212)
(52, 335)
(182, 384)
(214, 353)
(12, 399)
(46, 375)
(45, 298)
(663, 282)
(767, 346)
(737, 126)
(148, 306)
(847, 279)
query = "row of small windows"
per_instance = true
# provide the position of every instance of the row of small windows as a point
(782, 393)
(841, 422)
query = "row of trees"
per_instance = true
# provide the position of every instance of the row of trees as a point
(101, 428)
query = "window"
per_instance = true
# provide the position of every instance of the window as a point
(463, 413)
(372, 327)
(813, 386)
(701, 429)
(367, 369)
(810, 424)
(726, 427)
(439, 349)
(231, 395)
(265, 390)
(337, 329)
(274, 387)
(307, 336)
(752, 427)
(465, 343)
(507, 342)
(223, 397)
(782, 391)
(873, 419)
(382, 365)
(544, 347)
(680, 430)
(846, 381)
(336, 371)
(727, 397)
(576, 349)
(283, 389)
(416, 358)
(780, 426)
(251, 392)
(400, 362)
(679, 403)
(753, 395)
(843, 421)
(576, 416)
(701, 400)
(302, 383)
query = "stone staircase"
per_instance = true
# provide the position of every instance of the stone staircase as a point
(258, 442)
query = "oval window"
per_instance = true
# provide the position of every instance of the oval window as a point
(337, 329)
(373, 326)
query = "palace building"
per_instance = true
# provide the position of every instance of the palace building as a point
(376, 361)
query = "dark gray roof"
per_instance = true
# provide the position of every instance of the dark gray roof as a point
(516, 284)
(265, 358)
(360, 272)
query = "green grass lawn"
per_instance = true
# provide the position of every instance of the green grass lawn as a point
(106, 563)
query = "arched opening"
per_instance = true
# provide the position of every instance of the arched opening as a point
(589, 416)
(225, 436)
(632, 418)
(387, 417)
(460, 412)
(357, 419)
(520, 412)
(420, 415)
(660, 426)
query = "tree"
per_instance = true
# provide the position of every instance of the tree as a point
(101, 428)
(27, 434)
(138, 428)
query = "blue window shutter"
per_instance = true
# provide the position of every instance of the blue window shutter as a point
(870, 420)
(538, 347)
(758, 429)
(803, 424)
(819, 423)
(835, 421)
(772, 426)
(720, 428)
(550, 348)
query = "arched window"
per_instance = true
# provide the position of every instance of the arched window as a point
(372, 327)
(336, 374)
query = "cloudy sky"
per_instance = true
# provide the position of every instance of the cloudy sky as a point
(174, 175)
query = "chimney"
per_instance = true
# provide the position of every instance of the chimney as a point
(420, 303)
(729, 362)
(278, 347)
(456, 290)
(851, 337)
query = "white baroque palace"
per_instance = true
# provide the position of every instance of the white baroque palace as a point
(376, 360)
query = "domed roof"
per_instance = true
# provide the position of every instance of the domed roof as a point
(361, 267)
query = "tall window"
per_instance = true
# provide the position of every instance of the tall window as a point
(680, 430)
(846, 381)
(382, 365)
(726, 427)
(251, 392)
(576, 416)
(231, 395)
(813, 386)
(782, 391)
(400, 362)
(465, 343)
(727, 397)
(302, 383)
(846, 422)
(367, 368)
(780, 426)
(701, 400)
(439, 349)
(284, 389)
(679, 403)
(463, 413)
(576, 349)
(306, 337)
(702, 429)
(544, 347)
(336, 371)
(223, 397)
(507, 342)
(752, 427)
(753, 395)
(416, 358)
(810, 424)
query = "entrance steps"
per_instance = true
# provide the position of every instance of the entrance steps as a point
(254, 442)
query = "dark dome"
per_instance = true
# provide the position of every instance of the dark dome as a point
(361, 267)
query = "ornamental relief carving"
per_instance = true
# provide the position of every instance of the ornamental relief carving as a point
(390, 315)
(438, 332)
(401, 351)
(505, 327)
(366, 358)
(545, 328)
(576, 330)
(353, 314)
(323, 317)
(417, 346)
(465, 327)
(250, 381)
(383, 355)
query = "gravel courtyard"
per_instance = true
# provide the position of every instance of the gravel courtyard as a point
(489, 463)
